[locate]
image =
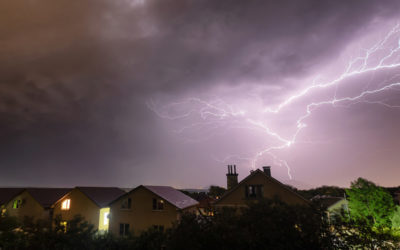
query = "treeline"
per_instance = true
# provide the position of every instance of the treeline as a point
(268, 224)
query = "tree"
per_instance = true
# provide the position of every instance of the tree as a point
(358, 234)
(369, 202)
(396, 218)
(216, 191)
(266, 224)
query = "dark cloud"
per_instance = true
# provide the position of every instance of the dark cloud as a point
(75, 76)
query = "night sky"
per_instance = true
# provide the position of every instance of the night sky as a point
(169, 92)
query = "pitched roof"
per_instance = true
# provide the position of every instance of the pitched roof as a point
(6, 194)
(102, 196)
(47, 196)
(258, 171)
(173, 196)
(326, 201)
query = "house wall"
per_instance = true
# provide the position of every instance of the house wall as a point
(80, 205)
(141, 215)
(237, 197)
(29, 207)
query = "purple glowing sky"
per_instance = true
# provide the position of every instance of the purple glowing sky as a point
(131, 92)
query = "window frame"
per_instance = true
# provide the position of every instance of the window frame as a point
(254, 191)
(124, 229)
(126, 204)
(17, 203)
(158, 204)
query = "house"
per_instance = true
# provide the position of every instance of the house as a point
(333, 206)
(205, 206)
(148, 207)
(34, 202)
(89, 202)
(259, 184)
(6, 195)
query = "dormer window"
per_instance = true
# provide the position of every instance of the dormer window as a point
(126, 203)
(158, 204)
(66, 204)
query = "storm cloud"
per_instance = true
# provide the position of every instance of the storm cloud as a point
(76, 79)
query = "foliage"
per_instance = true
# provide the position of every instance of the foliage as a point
(265, 224)
(370, 203)
(358, 234)
(268, 224)
(216, 191)
(10, 237)
(395, 219)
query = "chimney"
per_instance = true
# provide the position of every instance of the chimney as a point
(267, 170)
(231, 177)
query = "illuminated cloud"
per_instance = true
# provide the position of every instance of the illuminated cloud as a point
(86, 87)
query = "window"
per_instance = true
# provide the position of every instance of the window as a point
(126, 204)
(17, 204)
(65, 205)
(159, 228)
(253, 191)
(123, 229)
(105, 221)
(63, 225)
(158, 204)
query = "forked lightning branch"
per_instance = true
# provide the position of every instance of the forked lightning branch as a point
(210, 117)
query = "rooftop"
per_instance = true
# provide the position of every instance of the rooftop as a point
(102, 196)
(173, 196)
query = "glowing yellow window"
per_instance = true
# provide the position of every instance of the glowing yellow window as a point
(105, 221)
(65, 205)
(64, 224)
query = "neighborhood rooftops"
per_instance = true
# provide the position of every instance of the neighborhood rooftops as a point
(102, 196)
(173, 196)
(47, 196)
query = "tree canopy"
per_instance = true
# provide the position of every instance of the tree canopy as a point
(371, 202)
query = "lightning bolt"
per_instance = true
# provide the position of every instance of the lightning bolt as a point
(215, 115)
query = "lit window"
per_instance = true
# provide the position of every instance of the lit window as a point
(158, 204)
(65, 205)
(64, 224)
(17, 204)
(105, 222)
